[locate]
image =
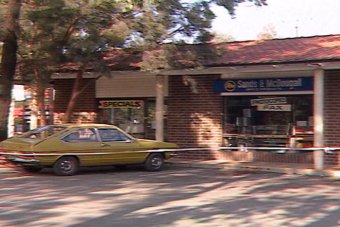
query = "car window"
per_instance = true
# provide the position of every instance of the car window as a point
(81, 135)
(111, 135)
(43, 132)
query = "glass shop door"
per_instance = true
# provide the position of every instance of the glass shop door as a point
(125, 114)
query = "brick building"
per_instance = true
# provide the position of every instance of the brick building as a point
(271, 93)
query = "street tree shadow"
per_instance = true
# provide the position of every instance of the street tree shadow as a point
(173, 197)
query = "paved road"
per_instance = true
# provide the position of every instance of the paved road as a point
(177, 196)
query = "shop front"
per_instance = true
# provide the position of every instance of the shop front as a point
(267, 112)
(128, 100)
(281, 92)
(135, 116)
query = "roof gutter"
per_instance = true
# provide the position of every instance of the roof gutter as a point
(226, 69)
(256, 68)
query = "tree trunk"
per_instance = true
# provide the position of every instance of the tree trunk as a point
(41, 105)
(76, 91)
(8, 63)
(39, 97)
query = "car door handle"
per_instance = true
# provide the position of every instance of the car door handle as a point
(105, 145)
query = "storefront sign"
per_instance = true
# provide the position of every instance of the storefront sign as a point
(267, 107)
(276, 100)
(121, 104)
(272, 84)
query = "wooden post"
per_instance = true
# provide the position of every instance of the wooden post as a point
(159, 108)
(318, 118)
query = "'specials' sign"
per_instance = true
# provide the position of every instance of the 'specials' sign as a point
(135, 104)
(270, 84)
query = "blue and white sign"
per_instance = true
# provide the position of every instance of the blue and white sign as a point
(267, 84)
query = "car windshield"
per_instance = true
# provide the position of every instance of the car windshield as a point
(43, 132)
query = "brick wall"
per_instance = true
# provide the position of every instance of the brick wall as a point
(195, 120)
(194, 113)
(332, 109)
(332, 115)
(250, 156)
(85, 109)
(266, 156)
(195, 117)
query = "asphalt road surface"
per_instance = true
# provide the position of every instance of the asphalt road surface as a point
(177, 196)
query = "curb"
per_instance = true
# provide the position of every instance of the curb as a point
(331, 173)
(7, 170)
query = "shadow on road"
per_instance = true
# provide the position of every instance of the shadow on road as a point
(173, 197)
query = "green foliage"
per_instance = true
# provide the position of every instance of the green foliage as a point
(80, 31)
(174, 21)
(164, 21)
(56, 31)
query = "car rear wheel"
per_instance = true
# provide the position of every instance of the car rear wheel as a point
(154, 162)
(66, 166)
(32, 169)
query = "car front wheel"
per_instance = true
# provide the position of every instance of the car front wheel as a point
(66, 166)
(154, 162)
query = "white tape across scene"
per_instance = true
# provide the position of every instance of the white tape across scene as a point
(327, 150)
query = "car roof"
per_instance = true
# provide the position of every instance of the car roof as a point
(86, 125)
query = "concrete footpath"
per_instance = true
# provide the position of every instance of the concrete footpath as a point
(6, 167)
(288, 168)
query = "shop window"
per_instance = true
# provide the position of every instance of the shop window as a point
(268, 120)
(137, 117)
(130, 120)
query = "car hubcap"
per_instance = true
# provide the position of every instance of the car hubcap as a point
(156, 162)
(66, 165)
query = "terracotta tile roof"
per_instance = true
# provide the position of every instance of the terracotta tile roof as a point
(303, 49)
(289, 50)
(117, 60)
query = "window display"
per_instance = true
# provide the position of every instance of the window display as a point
(268, 120)
(133, 116)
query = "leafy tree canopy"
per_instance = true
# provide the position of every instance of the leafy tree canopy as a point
(82, 30)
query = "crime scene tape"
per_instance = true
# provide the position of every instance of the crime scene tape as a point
(327, 150)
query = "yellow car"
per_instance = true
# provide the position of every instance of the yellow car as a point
(67, 147)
